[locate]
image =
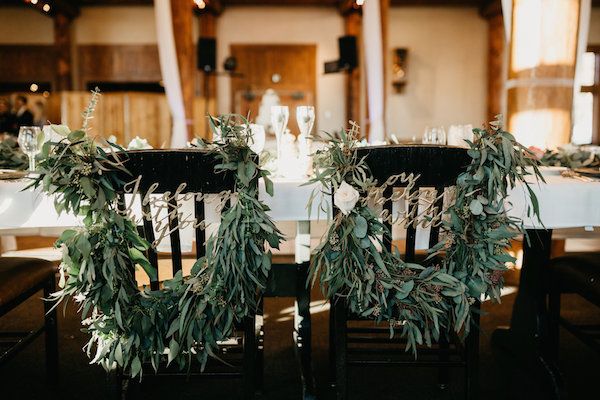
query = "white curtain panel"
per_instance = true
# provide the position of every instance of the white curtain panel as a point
(373, 51)
(170, 71)
(507, 18)
(585, 10)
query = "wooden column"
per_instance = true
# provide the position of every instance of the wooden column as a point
(182, 15)
(495, 62)
(62, 43)
(384, 10)
(541, 70)
(353, 26)
(208, 29)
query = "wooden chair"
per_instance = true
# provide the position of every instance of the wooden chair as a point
(169, 169)
(354, 344)
(577, 273)
(20, 279)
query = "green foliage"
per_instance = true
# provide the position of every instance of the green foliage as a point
(11, 156)
(422, 302)
(571, 158)
(226, 283)
(129, 327)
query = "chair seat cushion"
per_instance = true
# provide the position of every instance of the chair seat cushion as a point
(18, 275)
(578, 273)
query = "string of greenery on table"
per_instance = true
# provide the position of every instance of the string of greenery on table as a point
(11, 156)
(570, 157)
(421, 302)
(184, 321)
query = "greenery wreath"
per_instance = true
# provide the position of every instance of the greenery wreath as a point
(185, 320)
(422, 302)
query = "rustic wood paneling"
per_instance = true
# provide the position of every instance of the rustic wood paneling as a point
(149, 118)
(296, 65)
(203, 107)
(118, 63)
(130, 114)
(27, 63)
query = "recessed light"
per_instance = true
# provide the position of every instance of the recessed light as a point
(34, 87)
(34, 2)
(46, 7)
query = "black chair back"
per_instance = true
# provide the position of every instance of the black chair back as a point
(162, 172)
(437, 168)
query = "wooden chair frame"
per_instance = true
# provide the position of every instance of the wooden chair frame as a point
(437, 167)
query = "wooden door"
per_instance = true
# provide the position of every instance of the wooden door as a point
(260, 66)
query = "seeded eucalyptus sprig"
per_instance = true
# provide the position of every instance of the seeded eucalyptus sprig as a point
(227, 282)
(480, 231)
(11, 156)
(421, 302)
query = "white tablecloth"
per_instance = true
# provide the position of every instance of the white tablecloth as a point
(564, 203)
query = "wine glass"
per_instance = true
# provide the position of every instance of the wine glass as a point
(28, 142)
(305, 116)
(426, 134)
(279, 120)
(257, 143)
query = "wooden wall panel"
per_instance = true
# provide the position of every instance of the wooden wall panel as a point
(130, 114)
(148, 117)
(201, 109)
(295, 64)
(27, 63)
(118, 63)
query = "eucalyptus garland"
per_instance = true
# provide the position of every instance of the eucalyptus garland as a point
(184, 321)
(421, 302)
(571, 157)
(11, 156)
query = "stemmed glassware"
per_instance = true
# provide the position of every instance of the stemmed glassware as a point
(279, 120)
(435, 135)
(305, 116)
(29, 137)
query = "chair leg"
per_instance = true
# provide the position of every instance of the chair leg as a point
(443, 378)
(114, 385)
(249, 362)
(472, 360)
(332, 359)
(303, 332)
(554, 322)
(260, 347)
(51, 334)
(340, 344)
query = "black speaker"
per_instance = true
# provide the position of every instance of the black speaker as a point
(207, 54)
(348, 57)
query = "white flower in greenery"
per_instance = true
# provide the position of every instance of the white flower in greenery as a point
(345, 198)
(62, 281)
(138, 144)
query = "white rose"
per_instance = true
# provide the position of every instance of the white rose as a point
(345, 198)
(138, 144)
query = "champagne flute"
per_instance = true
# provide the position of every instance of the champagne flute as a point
(305, 116)
(28, 142)
(258, 138)
(279, 120)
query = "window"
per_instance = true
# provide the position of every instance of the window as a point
(586, 104)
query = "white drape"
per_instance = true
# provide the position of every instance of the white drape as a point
(507, 18)
(585, 10)
(170, 71)
(373, 51)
